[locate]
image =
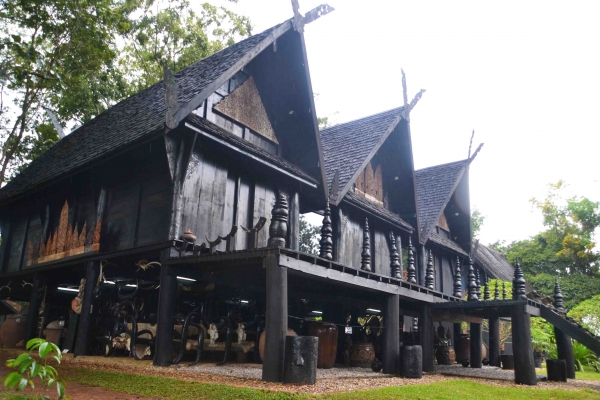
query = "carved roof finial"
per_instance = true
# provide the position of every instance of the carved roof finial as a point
(411, 270)
(519, 291)
(496, 292)
(457, 280)
(558, 297)
(326, 249)
(395, 266)
(429, 279)
(472, 285)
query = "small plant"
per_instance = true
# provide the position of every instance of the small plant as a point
(27, 368)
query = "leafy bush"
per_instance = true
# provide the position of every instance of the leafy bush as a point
(542, 336)
(587, 313)
(27, 368)
(584, 357)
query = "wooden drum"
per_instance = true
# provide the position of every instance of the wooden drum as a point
(328, 338)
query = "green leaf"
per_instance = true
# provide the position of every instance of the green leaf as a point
(19, 360)
(57, 351)
(25, 364)
(16, 38)
(11, 380)
(57, 358)
(44, 350)
(22, 384)
(51, 371)
(34, 343)
(35, 369)
(60, 388)
(31, 384)
(50, 382)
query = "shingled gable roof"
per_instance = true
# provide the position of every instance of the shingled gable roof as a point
(493, 263)
(348, 147)
(141, 116)
(435, 186)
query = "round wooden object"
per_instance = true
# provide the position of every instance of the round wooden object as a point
(263, 338)
(13, 330)
(362, 355)
(328, 338)
(463, 350)
(445, 355)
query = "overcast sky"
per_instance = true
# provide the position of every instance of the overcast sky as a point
(524, 74)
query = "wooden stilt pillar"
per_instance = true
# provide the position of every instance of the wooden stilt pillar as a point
(92, 269)
(456, 332)
(276, 319)
(35, 301)
(475, 333)
(167, 297)
(523, 351)
(391, 336)
(426, 335)
(564, 345)
(494, 324)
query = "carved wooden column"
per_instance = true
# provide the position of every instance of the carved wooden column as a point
(457, 280)
(92, 270)
(519, 291)
(472, 284)
(486, 292)
(411, 270)
(279, 222)
(429, 279)
(426, 336)
(275, 319)
(504, 294)
(395, 266)
(564, 345)
(456, 332)
(523, 354)
(391, 335)
(494, 328)
(294, 222)
(35, 301)
(478, 284)
(365, 263)
(167, 297)
(475, 333)
(496, 292)
(326, 249)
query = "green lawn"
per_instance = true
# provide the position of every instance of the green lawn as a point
(589, 375)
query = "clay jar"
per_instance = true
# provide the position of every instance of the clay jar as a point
(445, 355)
(362, 355)
(13, 330)
(263, 338)
(328, 337)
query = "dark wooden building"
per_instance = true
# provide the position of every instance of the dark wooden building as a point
(168, 226)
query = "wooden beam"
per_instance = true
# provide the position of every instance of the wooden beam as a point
(521, 338)
(494, 329)
(163, 355)
(276, 320)
(426, 336)
(455, 317)
(391, 335)
(475, 333)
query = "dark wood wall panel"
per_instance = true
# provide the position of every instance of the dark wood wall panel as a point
(155, 210)
(264, 200)
(447, 275)
(352, 237)
(244, 214)
(34, 234)
(122, 201)
(380, 253)
(17, 235)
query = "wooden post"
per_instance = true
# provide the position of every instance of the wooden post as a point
(426, 336)
(163, 357)
(564, 345)
(92, 269)
(37, 291)
(276, 319)
(456, 332)
(523, 354)
(494, 326)
(294, 222)
(475, 333)
(391, 335)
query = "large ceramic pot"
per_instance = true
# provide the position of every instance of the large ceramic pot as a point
(463, 348)
(328, 337)
(445, 355)
(537, 359)
(13, 330)
(362, 355)
(263, 338)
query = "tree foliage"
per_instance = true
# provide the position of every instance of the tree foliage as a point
(567, 244)
(587, 313)
(476, 222)
(575, 288)
(309, 237)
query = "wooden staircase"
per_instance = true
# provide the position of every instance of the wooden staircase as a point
(571, 328)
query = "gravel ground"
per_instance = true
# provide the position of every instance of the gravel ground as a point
(248, 375)
(486, 372)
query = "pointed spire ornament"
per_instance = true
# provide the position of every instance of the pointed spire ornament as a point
(429, 283)
(486, 292)
(457, 280)
(395, 266)
(519, 291)
(496, 292)
(478, 283)
(326, 242)
(411, 271)
(366, 251)
(279, 221)
(503, 290)
(472, 285)
(558, 297)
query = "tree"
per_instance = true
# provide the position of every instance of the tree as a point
(476, 222)
(567, 245)
(588, 314)
(170, 33)
(309, 237)
(575, 288)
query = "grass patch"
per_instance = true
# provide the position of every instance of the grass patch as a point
(170, 388)
(586, 376)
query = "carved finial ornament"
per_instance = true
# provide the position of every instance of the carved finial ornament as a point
(486, 293)
(519, 291)
(457, 280)
(472, 285)
(478, 283)
(558, 297)
(411, 270)
(503, 291)
(496, 292)
(429, 282)
(326, 242)
(366, 250)
(279, 219)
(395, 266)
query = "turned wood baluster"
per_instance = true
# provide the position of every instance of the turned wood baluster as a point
(395, 265)
(457, 280)
(472, 285)
(279, 217)
(496, 292)
(326, 242)
(519, 292)
(429, 280)
(503, 291)
(411, 270)
(486, 293)
(366, 251)
(478, 283)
